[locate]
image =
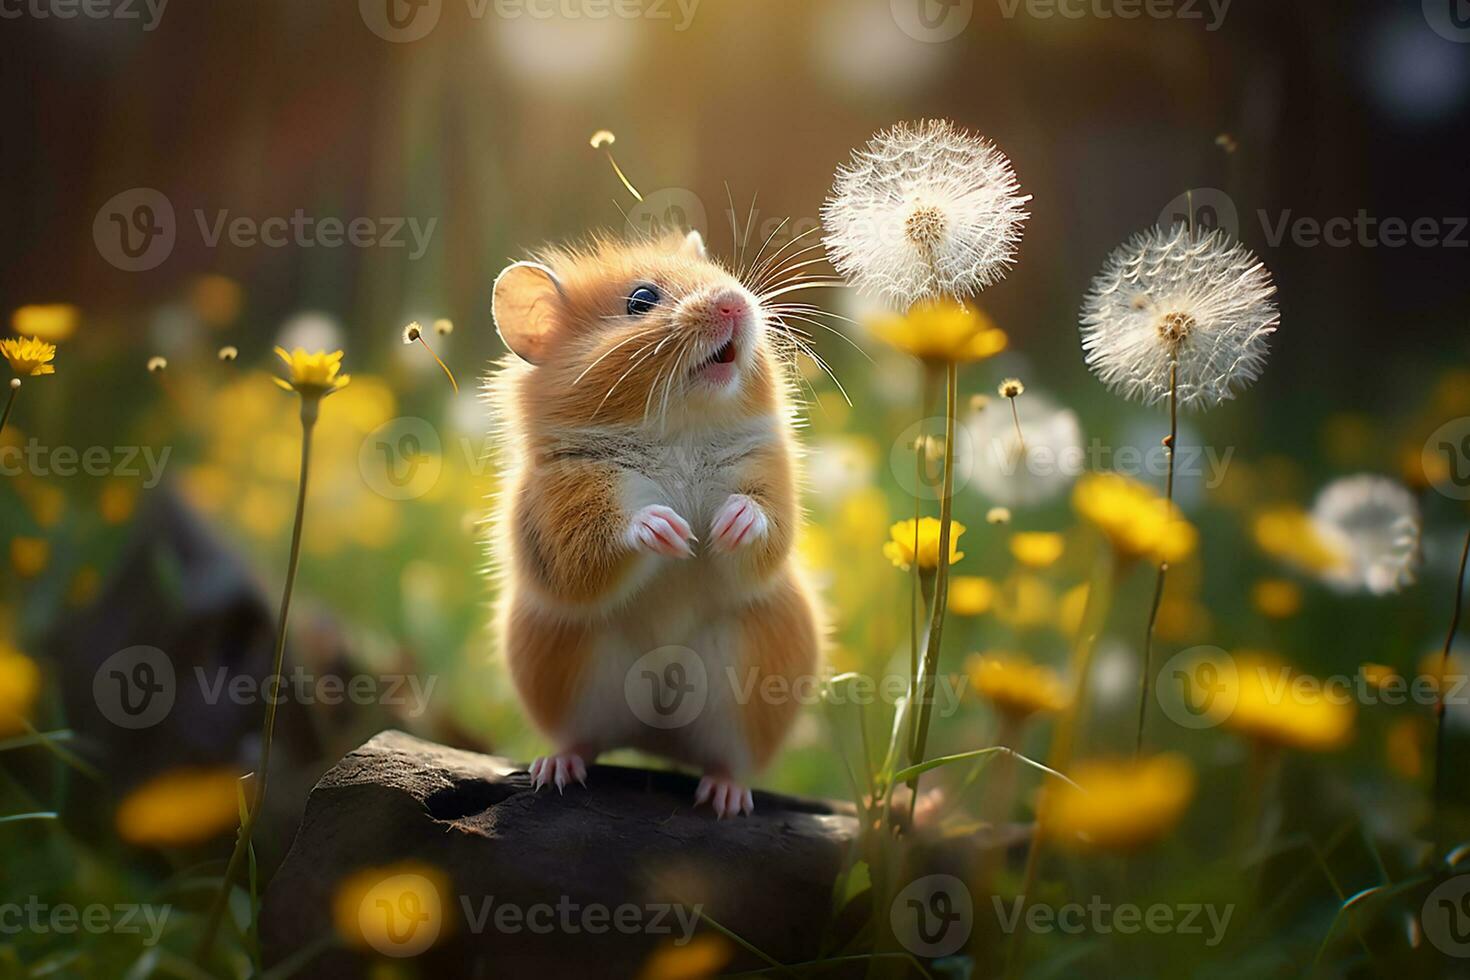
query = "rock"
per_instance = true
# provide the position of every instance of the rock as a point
(588, 883)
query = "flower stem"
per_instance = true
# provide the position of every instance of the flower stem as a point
(1439, 705)
(309, 408)
(1153, 614)
(941, 581)
(1094, 615)
(9, 404)
(1020, 439)
(444, 367)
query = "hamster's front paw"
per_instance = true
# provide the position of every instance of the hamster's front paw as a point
(725, 796)
(660, 530)
(738, 523)
(559, 770)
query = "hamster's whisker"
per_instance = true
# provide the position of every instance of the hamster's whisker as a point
(814, 308)
(813, 282)
(604, 354)
(809, 351)
(749, 222)
(804, 311)
(734, 235)
(642, 356)
(755, 261)
(774, 276)
(789, 272)
(774, 259)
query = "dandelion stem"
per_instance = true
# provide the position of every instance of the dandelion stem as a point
(1153, 614)
(941, 581)
(445, 367)
(9, 404)
(1020, 439)
(309, 407)
(1439, 703)
(1094, 614)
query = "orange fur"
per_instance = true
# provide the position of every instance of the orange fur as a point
(562, 518)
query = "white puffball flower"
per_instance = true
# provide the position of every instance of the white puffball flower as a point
(1194, 295)
(1053, 456)
(1374, 523)
(925, 210)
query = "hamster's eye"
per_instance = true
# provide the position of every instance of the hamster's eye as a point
(642, 300)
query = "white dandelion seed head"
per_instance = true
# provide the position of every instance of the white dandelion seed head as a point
(1053, 456)
(1196, 295)
(1373, 522)
(924, 210)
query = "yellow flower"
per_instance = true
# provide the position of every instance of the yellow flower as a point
(1286, 533)
(970, 595)
(1120, 805)
(180, 807)
(396, 909)
(1037, 549)
(312, 375)
(941, 330)
(1025, 602)
(1379, 675)
(1136, 521)
(20, 684)
(1277, 598)
(28, 556)
(1403, 745)
(1015, 685)
(1275, 706)
(900, 547)
(46, 321)
(703, 956)
(1069, 611)
(1182, 619)
(1432, 666)
(28, 356)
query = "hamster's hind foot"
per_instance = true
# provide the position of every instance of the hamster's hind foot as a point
(559, 769)
(725, 796)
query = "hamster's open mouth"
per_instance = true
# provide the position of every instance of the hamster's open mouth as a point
(719, 364)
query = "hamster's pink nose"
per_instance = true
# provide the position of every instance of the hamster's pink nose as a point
(730, 306)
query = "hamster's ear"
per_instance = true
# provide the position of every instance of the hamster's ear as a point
(692, 247)
(526, 305)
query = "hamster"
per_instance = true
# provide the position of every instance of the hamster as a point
(648, 509)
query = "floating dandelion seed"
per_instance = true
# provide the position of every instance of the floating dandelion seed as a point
(443, 327)
(978, 403)
(413, 333)
(1016, 473)
(229, 353)
(1374, 522)
(157, 365)
(603, 139)
(998, 515)
(1179, 299)
(925, 210)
